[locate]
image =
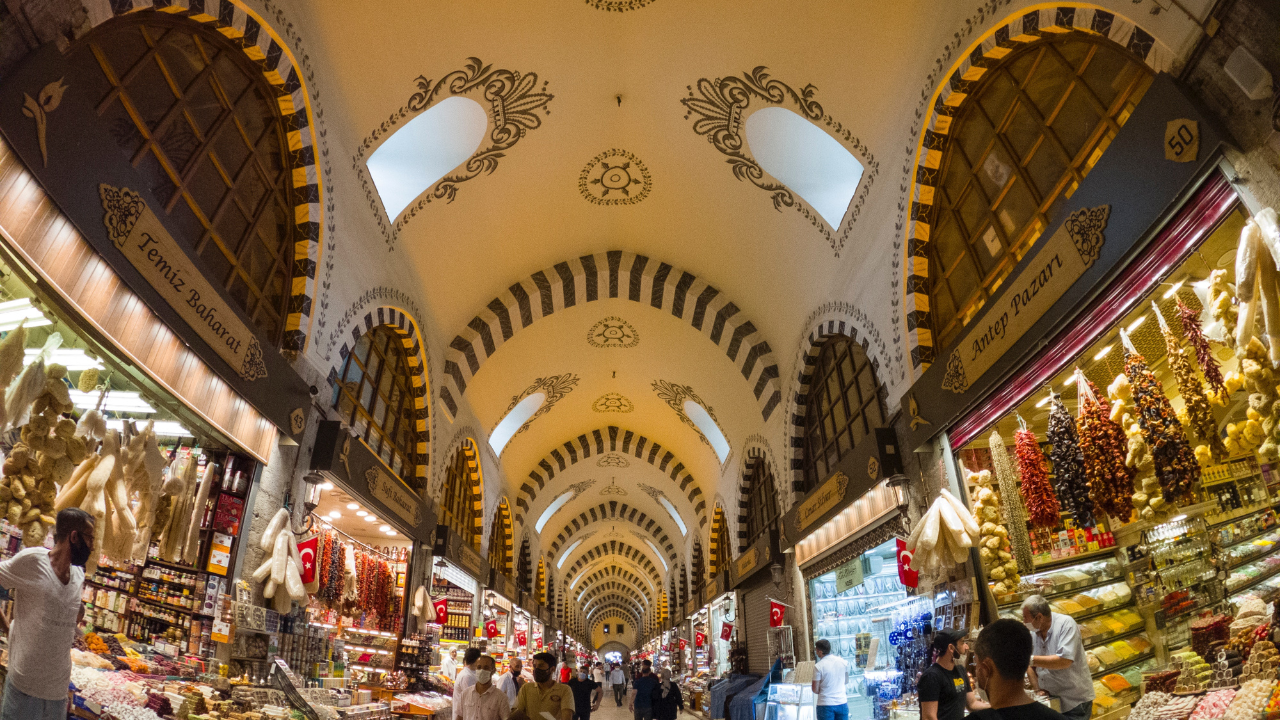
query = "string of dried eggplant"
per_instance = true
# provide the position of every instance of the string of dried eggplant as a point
(1070, 482)
(1175, 463)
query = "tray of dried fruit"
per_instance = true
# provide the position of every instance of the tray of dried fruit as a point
(1115, 625)
(1063, 581)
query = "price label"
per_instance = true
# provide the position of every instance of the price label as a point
(1181, 140)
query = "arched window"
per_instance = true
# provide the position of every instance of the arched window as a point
(1023, 140)
(719, 543)
(458, 505)
(372, 396)
(200, 122)
(762, 499)
(541, 586)
(500, 540)
(699, 567)
(524, 568)
(843, 407)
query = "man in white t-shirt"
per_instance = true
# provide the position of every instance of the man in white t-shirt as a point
(449, 664)
(598, 674)
(829, 676)
(46, 586)
(466, 676)
(510, 681)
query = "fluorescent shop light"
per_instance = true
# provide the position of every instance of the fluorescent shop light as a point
(1103, 352)
(353, 506)
(163, 428)
(1135, 324)
(1173, 290)
(13, 312)
(117, 401)
(73, 358)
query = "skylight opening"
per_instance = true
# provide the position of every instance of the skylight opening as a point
(806, 159)
(567, 552)
(512, 423)
(657, 552)
(710, 430)
(552, 508)
(424, 150)
(674, 515)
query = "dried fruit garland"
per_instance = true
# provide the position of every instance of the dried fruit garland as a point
(1198, 411)
(1042, 506)
(1011, 500)
(1104, 445)
(1175, 463)
(1068, 464)
(1204, 354)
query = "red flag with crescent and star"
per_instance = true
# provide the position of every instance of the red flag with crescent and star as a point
(307, 554)
(726, 631)
(699, 639)
(776, 613)
(683, 643)
(441, 606)
(521, 638)
(491, 629)
(906, 575)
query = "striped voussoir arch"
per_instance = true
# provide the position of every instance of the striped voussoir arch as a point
(264, 46)
(604, 440)
(754, 455)
(616, 600)
(613, 611)
(811, 347)
(614, 510)
(503, 516)
(609, 275)
(615, 589)
(615, 547)
(411, 340)
(622, 578)
(948, 100)
(618, 568)
(719, 534)
(627, 585)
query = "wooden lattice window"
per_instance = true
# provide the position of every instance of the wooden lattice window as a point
(699, 567)
(458, 504)
(1024, 138)
(201, 124)
(542, 581)
(372, 396)
(843, 407)
(499, 542)
(524, 567)
(762, 500)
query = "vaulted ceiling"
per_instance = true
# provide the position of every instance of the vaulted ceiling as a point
(701, 281)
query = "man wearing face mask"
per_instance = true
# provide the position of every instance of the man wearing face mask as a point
(587, 694)
(481, 700)
(46, 586)
(544, 698)
(510, 681)
(1059, 666)
(1002, 656)
(944, 688)
(467, 676)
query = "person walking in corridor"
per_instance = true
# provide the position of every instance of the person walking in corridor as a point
(481, 700)
(619, 682)
(666, 699)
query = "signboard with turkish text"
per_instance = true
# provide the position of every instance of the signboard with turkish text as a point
(350, 462)
(849, 575)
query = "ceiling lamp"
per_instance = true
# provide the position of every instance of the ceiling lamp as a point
(384, 528)
(163, 428)
(334, 514)
(116, 401)
(72, 358)
(360, 513)
(353, 506)
(13, 312)
(369, 518)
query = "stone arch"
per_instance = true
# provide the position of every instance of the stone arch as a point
(618, 568)
(614, 573)
(752, 456)
(506, 551)
(471, 476)
(614, 510)
(629, 584)
(619, 611)
(947, 100)
(524, 567)
(610, 439)
(608, 275)
(262, 44)
(614, 588)
(719, 538)
(614, 600)
(615, 547)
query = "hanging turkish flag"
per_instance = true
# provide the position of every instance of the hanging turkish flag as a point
(537, 645)
(726, 631)
(907, 576)
(683, 644)
(665, 648)
(491, 629)
(521, 638)
(441, 606)
(699, 639)
(307, 551)
(776, 612)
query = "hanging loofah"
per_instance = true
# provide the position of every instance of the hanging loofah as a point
(1070, 482)
(1175, 463)
(1011, 500)
(1104, 447)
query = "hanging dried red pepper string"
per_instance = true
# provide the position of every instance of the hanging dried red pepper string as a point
(1042, 505)
(1204, 354)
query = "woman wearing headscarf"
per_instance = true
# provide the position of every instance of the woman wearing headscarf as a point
(667, 701)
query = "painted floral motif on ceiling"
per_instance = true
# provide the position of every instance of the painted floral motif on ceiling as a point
(613, 488)
(612, 403)
(720, 108)
(513, 101)
(613, 460)
(555, 387)
(674, 395)
(619, 5)
(613, 332)
(615, 177)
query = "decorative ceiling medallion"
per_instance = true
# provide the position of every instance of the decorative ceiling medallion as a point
(612, 403)
(512, 100)
(554, 386)
(721, 107)
(618, 5)
(612, 460)
(613, 488)
(613, 332)
(675, 395)
(615, 177)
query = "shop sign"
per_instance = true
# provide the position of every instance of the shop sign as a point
(450, 545)
(1154, 159)
(828, 495)
(849, 575)
(758, 555)
(253, 618)
(501, 584)
(348, 460)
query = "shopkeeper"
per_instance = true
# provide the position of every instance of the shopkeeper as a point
(944, 688)
(449, 664)
(1058, 665)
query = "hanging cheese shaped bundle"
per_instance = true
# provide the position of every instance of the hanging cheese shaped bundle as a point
(1175, 463)
(1068, 464)
(1015, 513)
(1043, 509)
(1199, 414)
(1104, 447)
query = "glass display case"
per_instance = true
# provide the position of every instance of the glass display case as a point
(792, 701)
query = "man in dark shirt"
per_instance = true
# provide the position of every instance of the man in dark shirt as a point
(587, 693)
(1003, 654)
(944, 688)
(642, 686)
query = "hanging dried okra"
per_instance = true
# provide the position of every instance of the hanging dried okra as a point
(1068, 464)
(1104, 446)
(1015, 514)
(1175, 463)
(1203, 424)
(1042, 505)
